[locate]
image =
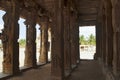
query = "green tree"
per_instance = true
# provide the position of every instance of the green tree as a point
(22, 42)
(91, 40)
(82, 40)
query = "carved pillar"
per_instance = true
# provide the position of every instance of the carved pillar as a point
(44, 41)
(10, 39)
(57, 49)
(30, 52)
(116, 38)
(67, 56)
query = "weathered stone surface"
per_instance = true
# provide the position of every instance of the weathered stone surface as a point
(30, 51)
(57, 50)
(67, 56)
(10, 39)
(44, 41)
(65, 17)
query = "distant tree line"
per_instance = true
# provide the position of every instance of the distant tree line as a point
(90, 41)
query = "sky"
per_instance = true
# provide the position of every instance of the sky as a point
(86, 30)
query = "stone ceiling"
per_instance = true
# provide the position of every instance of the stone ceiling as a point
(87, 9)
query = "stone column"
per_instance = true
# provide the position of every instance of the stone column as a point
(57, 49)
(77, 39)
(116, 38)
(109, 54)
(10, 38)
(30, 51)
(67, 56)
(73, 40)
(104, 35)
(98, 54)
(44, 41)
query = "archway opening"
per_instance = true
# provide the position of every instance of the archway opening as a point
(1, 28)
(38, 42)
(22, 41)
(49, 44)
(87, 41)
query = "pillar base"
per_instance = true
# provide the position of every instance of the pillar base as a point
(7, 68)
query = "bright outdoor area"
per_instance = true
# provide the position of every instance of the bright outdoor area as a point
(87, 41)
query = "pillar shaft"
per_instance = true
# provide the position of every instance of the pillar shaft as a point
(10, 39)
(30, 52)
(57, 49)
(109, 54)
(104, 36)
(44, 43)
(116, 38)
(98, 41)
(67, 56)
(73, 39)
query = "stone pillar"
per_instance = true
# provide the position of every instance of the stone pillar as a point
(67, 56)
(98, 53)
(104, 35)
(116, 38)
(10, 38)
(77, 40)
(109, 54)
(73, 40)
(30, 52)
(57, 49)
(44, 41)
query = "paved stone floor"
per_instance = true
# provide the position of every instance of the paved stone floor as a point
(87, 70)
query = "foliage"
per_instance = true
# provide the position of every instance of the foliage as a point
(90, 41)
(82, 40)
(22, 42)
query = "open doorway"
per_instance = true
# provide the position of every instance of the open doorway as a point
(1, 32)
(38, 42)
(87, 40)
(22, 41)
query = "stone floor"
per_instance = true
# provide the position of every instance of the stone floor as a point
(87, 70)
